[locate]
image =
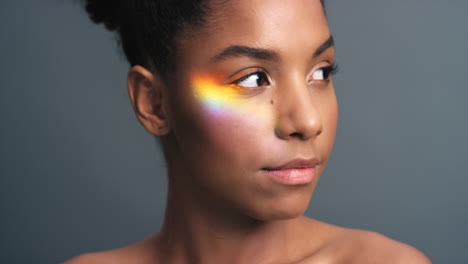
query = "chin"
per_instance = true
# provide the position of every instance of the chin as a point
(278, 215)
(281, 210)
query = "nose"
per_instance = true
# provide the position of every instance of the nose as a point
(298, 115)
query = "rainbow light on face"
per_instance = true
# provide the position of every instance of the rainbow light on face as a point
(217, 97)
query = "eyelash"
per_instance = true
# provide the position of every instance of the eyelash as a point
(263, 77)
(327, 72)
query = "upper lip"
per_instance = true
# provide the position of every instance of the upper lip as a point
(296, 164)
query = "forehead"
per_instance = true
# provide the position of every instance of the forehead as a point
(285, 26)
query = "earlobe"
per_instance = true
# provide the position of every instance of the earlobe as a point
(146, 91)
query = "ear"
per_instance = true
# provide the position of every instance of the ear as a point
(149, 100)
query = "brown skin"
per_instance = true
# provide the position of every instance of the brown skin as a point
(222, 208)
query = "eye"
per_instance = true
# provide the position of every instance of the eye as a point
(324, 74)
(253, 80)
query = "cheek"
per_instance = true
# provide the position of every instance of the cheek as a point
(326, 140)
(226, 126)
(330, 118)
(236, 136)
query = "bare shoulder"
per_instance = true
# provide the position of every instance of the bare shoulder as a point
(89, 258)
(362, 246)
(344, 245)
(138, 253)
(116, 256)
(386, 250)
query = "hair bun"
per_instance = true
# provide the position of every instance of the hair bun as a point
(104, 11)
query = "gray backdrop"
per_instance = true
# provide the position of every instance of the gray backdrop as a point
(78, 173)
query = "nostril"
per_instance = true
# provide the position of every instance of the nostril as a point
(297, 135)
(319, 132)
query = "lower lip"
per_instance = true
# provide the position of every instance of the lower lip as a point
(293, 176)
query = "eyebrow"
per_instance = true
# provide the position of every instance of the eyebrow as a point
(330, 42)
(244, 51)
(237, 51)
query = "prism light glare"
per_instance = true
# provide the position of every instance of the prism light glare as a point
(216, 97)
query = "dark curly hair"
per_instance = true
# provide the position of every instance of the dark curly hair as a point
(148, 30)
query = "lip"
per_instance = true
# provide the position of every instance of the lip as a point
(294, 172)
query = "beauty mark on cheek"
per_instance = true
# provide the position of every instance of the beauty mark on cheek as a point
(233, 104)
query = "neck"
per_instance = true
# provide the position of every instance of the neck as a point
(196, 229)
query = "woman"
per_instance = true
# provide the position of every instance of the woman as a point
(241, 95)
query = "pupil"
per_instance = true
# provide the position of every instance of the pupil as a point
(260, 79)
(326, 73)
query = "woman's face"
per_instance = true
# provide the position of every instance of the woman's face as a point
(253, 106)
